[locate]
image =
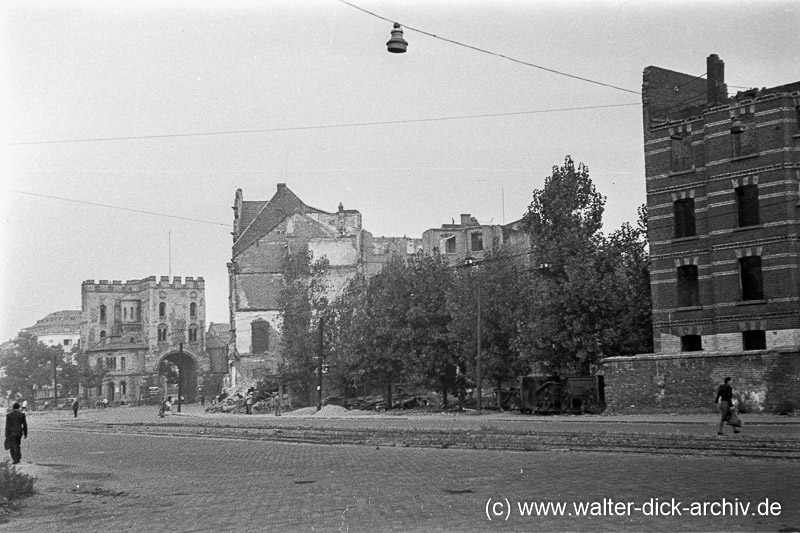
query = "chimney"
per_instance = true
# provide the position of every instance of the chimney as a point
(465, 219)
(281, 186)
(716, 90)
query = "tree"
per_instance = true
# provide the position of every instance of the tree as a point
(587, 300)
(302, 299)
(428, 318)
(28, 365)
(500, 278)
(390, 341)
(347, 334)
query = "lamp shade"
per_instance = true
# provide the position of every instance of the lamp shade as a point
(397, 45)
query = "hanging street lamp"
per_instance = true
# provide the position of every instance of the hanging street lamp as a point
(397, 45)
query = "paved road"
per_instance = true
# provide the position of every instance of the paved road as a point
(132, 482)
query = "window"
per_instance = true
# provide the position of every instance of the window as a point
(750, 280)
(193, 310)
(688, 286)
(123, 388)
(193, 333)
(476, 241)
(450, 245)
(111, 363)
(102, 336)
(162, 332)
(684, 218)
(681, 152)
(162, 310)
(747, 205)
(122, 364)
(754, 340)
(744, 137)
(124, 313)
(259, 336)
(691, 343)
(67, 342)
(102, 313)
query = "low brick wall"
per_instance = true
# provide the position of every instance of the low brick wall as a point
(762, 379)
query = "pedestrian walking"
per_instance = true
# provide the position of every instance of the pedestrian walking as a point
(24, 405)
(75, 405)
(276, 403)
(248, 403)
(724, 401)
(16, 430)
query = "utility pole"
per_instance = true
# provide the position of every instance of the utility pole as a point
(180, 376)
(478, 376)
(319, 368)
(55, 383)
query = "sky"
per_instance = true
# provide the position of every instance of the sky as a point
(126, 131)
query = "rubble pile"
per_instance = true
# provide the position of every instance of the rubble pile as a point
(231, 400)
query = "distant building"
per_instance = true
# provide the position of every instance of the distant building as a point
(142, 331)
(62, 328)
(264, 233)
(470, 239)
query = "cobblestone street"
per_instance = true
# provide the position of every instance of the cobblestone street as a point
(122, 481)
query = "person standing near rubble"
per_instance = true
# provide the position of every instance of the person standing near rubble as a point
(248, 402)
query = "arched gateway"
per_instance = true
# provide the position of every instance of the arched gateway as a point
(177, 374)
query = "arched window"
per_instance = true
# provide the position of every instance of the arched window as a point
(102, 313)
(122, 365)
(162, 310)
(162, 332)
(193, 310)
(193, 332)
(103, 336)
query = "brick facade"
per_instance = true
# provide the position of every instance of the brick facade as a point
(723, 200)
(691, 155)
(688, 381)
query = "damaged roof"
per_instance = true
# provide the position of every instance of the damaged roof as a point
(270, 214)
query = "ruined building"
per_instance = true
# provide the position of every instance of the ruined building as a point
(723, 200)
(470, 239)
(144, 334)
(264, 233)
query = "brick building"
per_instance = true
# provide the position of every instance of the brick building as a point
(722, 198)
(723, 193)
(264, 232)
(142, 330)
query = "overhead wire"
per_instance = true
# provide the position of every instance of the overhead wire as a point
(97, 204)
(318, 127)
(503, 56)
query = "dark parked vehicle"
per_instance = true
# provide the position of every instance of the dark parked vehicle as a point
(556, 395)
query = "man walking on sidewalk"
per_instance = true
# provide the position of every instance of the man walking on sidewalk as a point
(725, 400)
(16, 429)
